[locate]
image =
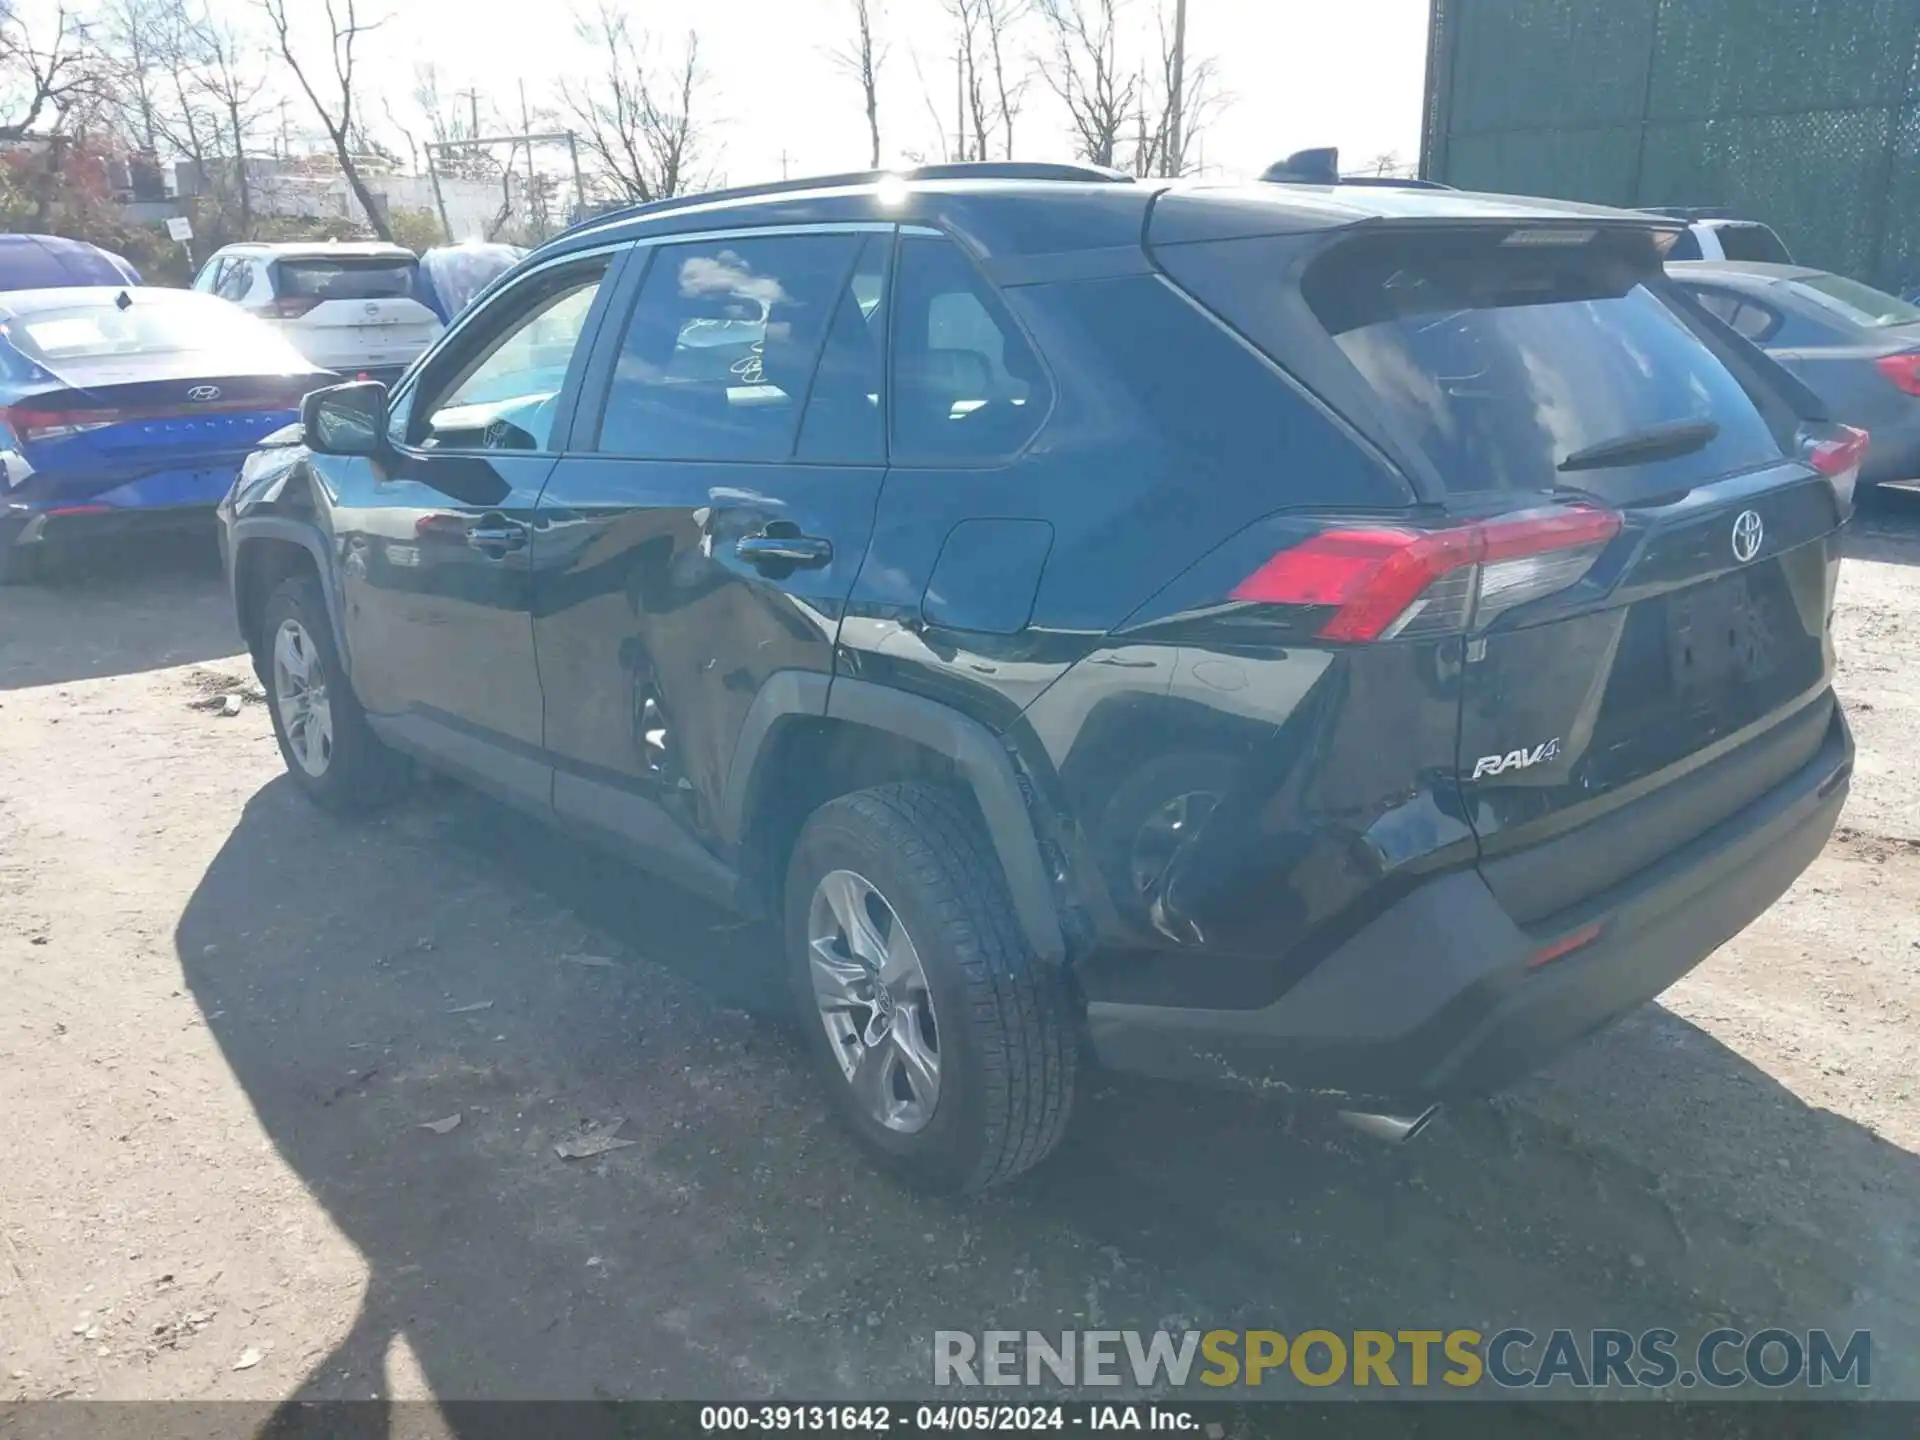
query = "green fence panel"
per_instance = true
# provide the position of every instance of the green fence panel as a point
(1801, 113)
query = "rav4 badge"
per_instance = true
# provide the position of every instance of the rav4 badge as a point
(1516, 759)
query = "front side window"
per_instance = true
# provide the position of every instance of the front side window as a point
(507, 395)
(721, 347)
(967, 387)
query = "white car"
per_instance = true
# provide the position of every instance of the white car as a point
(357, 309)
(1717, 236)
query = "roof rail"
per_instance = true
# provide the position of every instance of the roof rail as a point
(954, 170)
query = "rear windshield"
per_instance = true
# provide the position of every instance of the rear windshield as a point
(1501, 360)
(1751, 242)
(348, 278)
(150, 323)
(1862, 304)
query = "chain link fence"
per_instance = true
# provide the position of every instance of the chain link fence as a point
(1801, 113)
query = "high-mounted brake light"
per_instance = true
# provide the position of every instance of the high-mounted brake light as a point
(1903, 370)
(1388, 581)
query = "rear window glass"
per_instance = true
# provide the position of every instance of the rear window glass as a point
(152, 323)
(348, 279)
(1501, 361)
(1751, 242)
(1862, 304)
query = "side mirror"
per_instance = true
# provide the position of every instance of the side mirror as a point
(346, 419)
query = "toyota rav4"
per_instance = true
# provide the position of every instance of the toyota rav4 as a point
(1348, 642)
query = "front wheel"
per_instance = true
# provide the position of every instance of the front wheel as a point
(949, 1049)
(330, 750)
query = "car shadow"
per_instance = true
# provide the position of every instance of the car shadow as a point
(1885, 528)
(116, 610)
(455, 959)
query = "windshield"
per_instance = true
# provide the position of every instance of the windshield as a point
(1862, 304)
(151, 323)
(1500, 362)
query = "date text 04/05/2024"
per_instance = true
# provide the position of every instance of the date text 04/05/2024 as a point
(939, 1419)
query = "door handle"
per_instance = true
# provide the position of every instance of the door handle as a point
(765, 550)
(497, 540)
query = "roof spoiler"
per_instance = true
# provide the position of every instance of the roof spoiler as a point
(1322, 167)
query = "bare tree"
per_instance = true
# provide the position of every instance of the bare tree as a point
(44, 82)
(862, 58)
(127, 32)
(636, 121)
(1165, 145)
(233, 86)
(336, 112)
(1083, 68)
(990, 95)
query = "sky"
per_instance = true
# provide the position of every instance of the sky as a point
(1293, 73)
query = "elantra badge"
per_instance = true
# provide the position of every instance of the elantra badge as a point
(1748, 532)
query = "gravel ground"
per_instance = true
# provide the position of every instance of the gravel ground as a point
(230, 1020)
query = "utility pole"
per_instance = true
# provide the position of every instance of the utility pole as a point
(1177, 102)
(783, 164)
(960, 102)
(473, 111)
(286, 133)
(535, 205)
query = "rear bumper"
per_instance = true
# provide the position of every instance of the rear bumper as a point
(1435, 997)
(78, 525)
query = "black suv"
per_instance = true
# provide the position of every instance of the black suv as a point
(1350, 642)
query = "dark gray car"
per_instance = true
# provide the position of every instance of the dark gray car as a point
(1855, 347)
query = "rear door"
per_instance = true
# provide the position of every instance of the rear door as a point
(701, 534)
(353, 311)
(1688, 669)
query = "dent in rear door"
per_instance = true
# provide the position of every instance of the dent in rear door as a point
(663, 601)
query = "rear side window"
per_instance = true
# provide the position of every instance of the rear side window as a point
(1751, 242)
(1752, 319)
(967, 387)
(347, 278)
(1501, 361)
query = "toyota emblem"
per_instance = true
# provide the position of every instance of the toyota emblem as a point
(204, 393)
(1748, 532)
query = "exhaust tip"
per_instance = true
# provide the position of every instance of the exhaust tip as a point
(1392, 1129)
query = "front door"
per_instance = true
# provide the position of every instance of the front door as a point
(437, 557)
(702, 535)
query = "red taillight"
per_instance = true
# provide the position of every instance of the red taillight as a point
(31, 424)
(1844, 450)
(1387, 581)
(1902, 370)
(290, 307)
(1565, 945)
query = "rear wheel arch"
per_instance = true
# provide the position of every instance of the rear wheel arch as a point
(805, 743)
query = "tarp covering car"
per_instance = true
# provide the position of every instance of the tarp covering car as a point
(451, 275)
(45, 262)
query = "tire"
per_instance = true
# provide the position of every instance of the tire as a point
(1004, 1041)
(21, 564)
(352, 772)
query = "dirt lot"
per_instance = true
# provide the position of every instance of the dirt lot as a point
(229, 1018)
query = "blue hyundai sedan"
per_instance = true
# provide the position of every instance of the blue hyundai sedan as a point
(129, 407)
